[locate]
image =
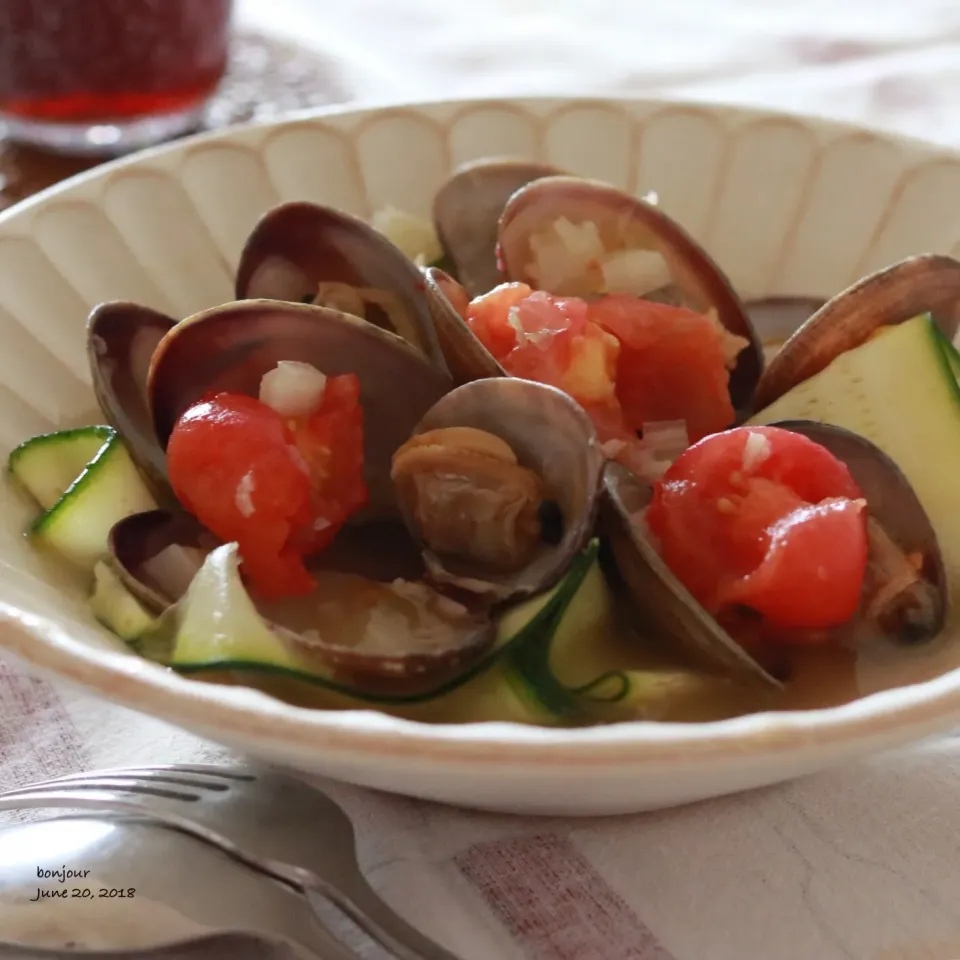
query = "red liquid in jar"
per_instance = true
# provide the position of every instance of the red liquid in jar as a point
(97, 61)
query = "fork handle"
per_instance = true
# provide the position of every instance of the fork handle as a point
(358, 900)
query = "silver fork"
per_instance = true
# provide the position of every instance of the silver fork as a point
(272, 822)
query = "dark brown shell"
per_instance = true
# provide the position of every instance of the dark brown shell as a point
(895, 506)
(666, 607)
(466, 212)
(624, 219)
(552, 436)
(929, 283)
(231, 347)
(467, 358)
(662, 603)
(296, 246)
(380, 552)
(121, 338)
(139, 538)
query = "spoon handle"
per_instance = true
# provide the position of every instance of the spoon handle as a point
(217, 946)
(358, 900)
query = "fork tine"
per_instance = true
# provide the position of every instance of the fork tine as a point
(75, 798)
(162, 789)
(172, 773)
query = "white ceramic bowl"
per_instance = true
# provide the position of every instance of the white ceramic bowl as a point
(786, 205)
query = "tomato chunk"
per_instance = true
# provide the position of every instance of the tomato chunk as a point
(538, 336)
(626, 360)
(280, 487)
(764, 519)
(671, 364)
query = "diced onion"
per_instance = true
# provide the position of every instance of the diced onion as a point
(292, 388)
(755, 450)
(635, 272)
(663, 442)
(413, 235)
(278, 279)
(571, 259)
(582, 240)
(666, 438)
(243, 498)
(173, 568)
(566, 257)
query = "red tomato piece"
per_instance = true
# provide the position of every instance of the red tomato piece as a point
(280, 488)
(558, 345)
(538, 336)
(626, 360)
(330, 440)
(763, 518)
(799, 544)
(488, 316)
(671, 364)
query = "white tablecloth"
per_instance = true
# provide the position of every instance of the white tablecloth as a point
(858, 864)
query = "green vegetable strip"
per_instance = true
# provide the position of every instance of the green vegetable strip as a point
(537, 633)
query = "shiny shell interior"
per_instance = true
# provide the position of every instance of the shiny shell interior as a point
(231, 347)
(922, 284)
(895, 506)
(679, 269)
(667, 607)
(661, 602)
(121, 339)
(467, 358)
(551, 436)
(466, 212)
(306, 253)
(157, 554)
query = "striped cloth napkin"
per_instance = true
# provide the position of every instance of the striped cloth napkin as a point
(858, 864)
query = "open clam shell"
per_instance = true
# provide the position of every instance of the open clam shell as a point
(121, 339)
(231, 347)
(307, 253)
(679, 268)
(157, 554)
(450, 492)
(662, 602)
(467, 358)
(893, 505)
(929, 283)
(668, 608)
(466, 213)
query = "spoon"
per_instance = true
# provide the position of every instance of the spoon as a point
(217, 946)
(126, 884)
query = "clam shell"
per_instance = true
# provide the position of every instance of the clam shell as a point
(663, 603)
(121, 338)
(136, 542)
(296, 246)
(667, 606)
(893, 504)
(551, 435)
(929, 283)
(627, 222)
(467, 358)
(466, 211)
(231, 347)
